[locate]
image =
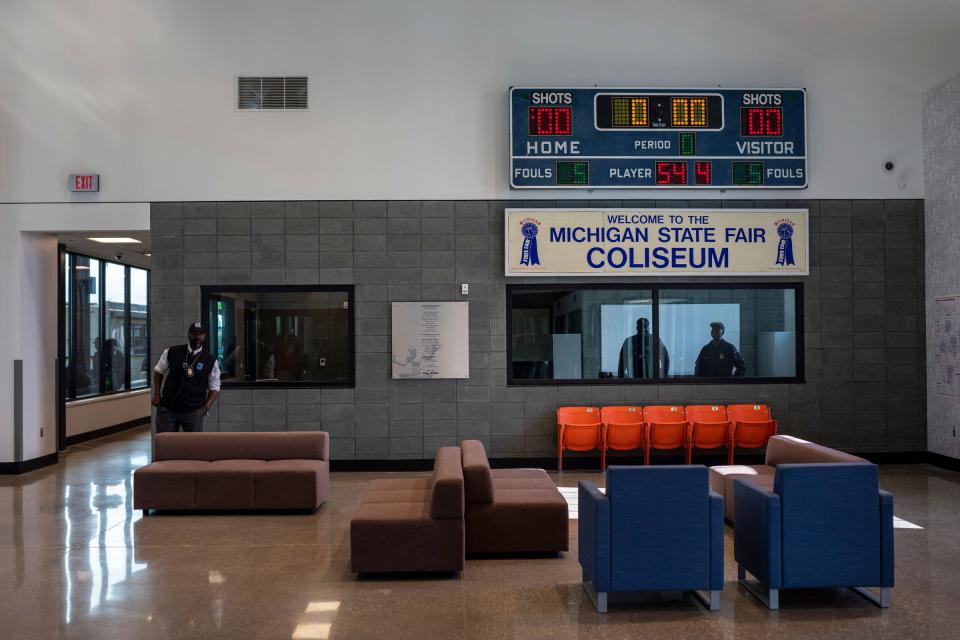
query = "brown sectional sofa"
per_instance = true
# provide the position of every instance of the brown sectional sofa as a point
(235, 471)
(511, 510)
(429, 524)
(412, 524)
(780, 450)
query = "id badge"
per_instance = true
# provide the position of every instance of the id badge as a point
(189, 372)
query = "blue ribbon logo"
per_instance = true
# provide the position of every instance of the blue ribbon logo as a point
(785, 248)
(528, 254)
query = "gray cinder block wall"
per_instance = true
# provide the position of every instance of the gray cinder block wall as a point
(941, 183)
(863, 315)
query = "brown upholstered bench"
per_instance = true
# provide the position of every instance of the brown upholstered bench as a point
(235, 471)
(511, 510)
(780, 450)
(412, 524)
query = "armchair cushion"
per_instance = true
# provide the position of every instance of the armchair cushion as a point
(830, 527)
(660, 528)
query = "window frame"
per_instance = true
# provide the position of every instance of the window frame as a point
(69, 372)
(654, 289)
(350, 383)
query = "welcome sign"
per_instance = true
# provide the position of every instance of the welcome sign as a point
(657, 242)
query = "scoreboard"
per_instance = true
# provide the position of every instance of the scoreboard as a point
(579, 138)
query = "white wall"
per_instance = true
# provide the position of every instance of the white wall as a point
(941, 123)
(38, 333)
(84, 416)
(28, 262)
(409, 99)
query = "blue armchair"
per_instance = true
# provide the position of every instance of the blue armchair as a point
(823, 525)
(656, 529)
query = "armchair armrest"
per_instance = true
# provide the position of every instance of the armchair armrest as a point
(716, 541)
(757, 531)
(594, 535)
(886, 539)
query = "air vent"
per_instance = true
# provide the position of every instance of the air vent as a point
(272, 93)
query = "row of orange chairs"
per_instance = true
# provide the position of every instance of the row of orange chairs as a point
(691, 427)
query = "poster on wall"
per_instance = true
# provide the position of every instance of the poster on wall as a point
(656, 242)
(431, 340)
(946, 345)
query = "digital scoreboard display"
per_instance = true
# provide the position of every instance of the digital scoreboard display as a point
(566, 138)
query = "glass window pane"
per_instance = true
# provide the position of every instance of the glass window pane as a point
(113, 354)
(139, 330)
(723, 333)
(87, 299)
(67, 322)
(582, 334)
(281, 336)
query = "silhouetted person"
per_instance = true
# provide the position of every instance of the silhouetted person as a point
(635, 361)
(114, 365)
(719, 358)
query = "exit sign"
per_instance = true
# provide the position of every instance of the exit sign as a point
(83, 182)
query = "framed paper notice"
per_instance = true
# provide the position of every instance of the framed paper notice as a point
(431, 340)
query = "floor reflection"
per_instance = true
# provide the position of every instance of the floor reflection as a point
(94, 566)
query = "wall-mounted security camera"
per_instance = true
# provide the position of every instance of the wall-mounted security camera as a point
(118, 256)
(888, 166)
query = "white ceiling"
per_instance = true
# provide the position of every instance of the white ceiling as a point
(132, 254)
(916, 43)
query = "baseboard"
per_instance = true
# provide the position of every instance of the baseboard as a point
(942, 461)
(106, 431)
(570, 463)
(592, 462)
(419, 464)
(25, 466)
(894, 457)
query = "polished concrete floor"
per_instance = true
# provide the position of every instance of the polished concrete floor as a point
(77, 562)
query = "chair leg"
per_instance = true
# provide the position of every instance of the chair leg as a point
(598, 598)
(882, 600)
(768, 596)
(712, 601)
(730, 454)
(603, 459)
(689, 454)
(646, 455)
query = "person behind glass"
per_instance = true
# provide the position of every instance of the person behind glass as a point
(113, 361)
(635, 359)
(186, 382)
(719, 358)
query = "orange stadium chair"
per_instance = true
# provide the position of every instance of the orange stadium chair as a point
(666, 428)
(752, 427)
(578, 429)
(623, 430)
(709, 428)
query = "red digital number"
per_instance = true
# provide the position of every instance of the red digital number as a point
(671, 173)
(761, 121)
(703, 173)
(550, 121)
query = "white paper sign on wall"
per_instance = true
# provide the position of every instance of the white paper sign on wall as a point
(430, 340)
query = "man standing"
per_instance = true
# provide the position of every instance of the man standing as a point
(719, 358)
(186, 382)
(635, 361)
